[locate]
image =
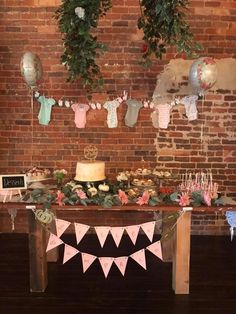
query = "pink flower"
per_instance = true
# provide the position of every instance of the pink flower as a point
(81, 194)
(184, 199)
(207, 198)
(59, 198)
(123, 197)
(143, 199)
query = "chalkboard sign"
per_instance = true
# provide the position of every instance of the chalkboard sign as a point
(13, 182)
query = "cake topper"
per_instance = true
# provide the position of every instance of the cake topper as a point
(90, 152)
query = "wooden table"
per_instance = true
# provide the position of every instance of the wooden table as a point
(181, 242)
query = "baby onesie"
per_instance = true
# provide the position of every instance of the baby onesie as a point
(132, 112)
(44, 115)
(190, 107)
(111, 107)
(80, 114)
(163, 111)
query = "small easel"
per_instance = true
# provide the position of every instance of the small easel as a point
(10, 183)
(9, 195)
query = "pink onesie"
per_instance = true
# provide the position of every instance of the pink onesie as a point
(80, 114)
(163, 115)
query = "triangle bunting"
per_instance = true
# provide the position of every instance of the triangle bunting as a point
(148, 229)
(102, 233)
(87, 260)
(80, 231)
(106, 263)
(53, 242)
(61, 226)
(69, 252)
(155, 248)
(140, 258)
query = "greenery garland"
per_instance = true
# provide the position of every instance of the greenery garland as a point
(80, 47)
(163, 24)
(162, 21)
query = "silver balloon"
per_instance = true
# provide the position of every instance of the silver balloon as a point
(203, 74)
(31, 69)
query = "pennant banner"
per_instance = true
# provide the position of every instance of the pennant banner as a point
(61, 226)
(102, 233)
(133, 232)
(155, 248)
(117, 233)
(87, 260)
(69, 252)
(53, 242)
(121, 263)
(106, 263)
(80, 231)
(148, 229)
(140, 258)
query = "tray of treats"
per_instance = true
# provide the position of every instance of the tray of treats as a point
(143, 182)
(35, 174)
(162, 174)
(141, 172)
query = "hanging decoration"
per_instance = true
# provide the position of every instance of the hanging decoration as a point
(203, 74)
(105, 261)
(231, 219)
(163, 23)
(76, 20)
(31, 69)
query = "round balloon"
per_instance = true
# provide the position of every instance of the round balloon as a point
(31, 68)
(203, 74)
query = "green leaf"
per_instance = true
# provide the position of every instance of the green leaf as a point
(174, 196)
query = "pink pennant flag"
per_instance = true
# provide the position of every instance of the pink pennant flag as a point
(117, 233)
(102, 233)
(155, 248)
(139, 257)
(87, 260)
(69, 252)
(106, 263)
(53, 242)
(121, 263)
(61, 226)
(80, 231)
(148, 228)
(133, 232)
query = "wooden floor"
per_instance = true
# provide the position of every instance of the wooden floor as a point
(212, 287)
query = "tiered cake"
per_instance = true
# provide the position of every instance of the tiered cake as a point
(90, 171)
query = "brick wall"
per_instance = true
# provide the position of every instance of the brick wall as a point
(28, 25)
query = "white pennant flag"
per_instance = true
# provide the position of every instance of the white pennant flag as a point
(53, 242)
(102, 233)
(69, 252)
(133, 232)
(155, 248)
(106, 263)
(80, 230)
(121, 263)
(140, 258)
(117, 233)
(87, 260)
(148, 228)
(61, 226)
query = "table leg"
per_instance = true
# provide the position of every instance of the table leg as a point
(37, 255)
(52, 255)
(181, 256)
(167, 244)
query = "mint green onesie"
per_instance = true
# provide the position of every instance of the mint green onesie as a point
(45, 109)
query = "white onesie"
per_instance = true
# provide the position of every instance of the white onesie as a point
(189, 103)
(111, 107)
